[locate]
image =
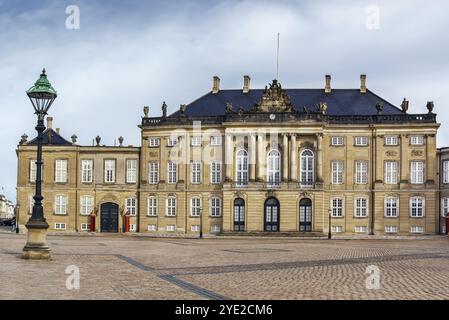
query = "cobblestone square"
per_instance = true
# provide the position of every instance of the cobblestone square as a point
(136, 267)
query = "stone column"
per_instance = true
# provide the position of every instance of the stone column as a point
(284, 157)
(260, 157)
(319, 169)
(228, 156)
(293, 170)
(252, 153)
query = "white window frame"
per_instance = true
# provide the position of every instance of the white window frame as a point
(216, 140)
(361, 172)
(391, 140)
(416, 229)
(131, 171)
(154, 142)
(85, 226)
(241, 171)
(132, 227)
(417, 207)
(195, 141)
(87, 170)
(170, 227)
(33, 170)
(417, 172)
(153, 172)
(152, 206)
(391, 172)
(361, 207)
(109, 170)
(337, 229)
(215, 228)
(360, 229)
(172, 172)
(172, 141)
(195, 169)
(86, 205)
(274, 168)
(31, 203)
(361, 141)
(307, 164)
(131, 206)
(391, 229)
(195, 206)
(337, 171)
(417, 140)
(170, 206)
(215, 172)
(445, 169)
(337, 141)
(391, 207)
(152, 227)
(60, 204)
(195, 228)
(444, 206)
(215, 207)
(60, 226)
(61, 166)
(337, 209)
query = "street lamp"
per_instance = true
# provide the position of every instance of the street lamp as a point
(329, 235)
(41, 96)
(17, 217)
(201, 223)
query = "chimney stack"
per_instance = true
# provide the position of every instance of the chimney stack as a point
(216, 85)
(58, 130)
(327, 89)
(49, 122)
(363, 83)
(246, 83)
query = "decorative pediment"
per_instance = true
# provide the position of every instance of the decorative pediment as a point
(274, 99)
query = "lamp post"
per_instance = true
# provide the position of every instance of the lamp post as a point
(201, 223)
(17, 217)
(41, 96)
(329, 235)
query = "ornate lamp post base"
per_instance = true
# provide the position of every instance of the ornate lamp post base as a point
(36, 247)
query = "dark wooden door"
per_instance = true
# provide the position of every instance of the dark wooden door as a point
(305, 215)
(239, 214)
(109, 217)
(272, 215)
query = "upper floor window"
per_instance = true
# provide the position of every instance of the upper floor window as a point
(172, 141)
(131, 206)
(391, 207)
(417, 140)
(337, 168)
(153, 172)
(60, 204)
(274, 168)
(337, 207)
(109, 171)
(391, 172)
(196, 172)
(307, 168)
(391, 140)
(215, 207)
(61, 171)
(361, 172)
(87, 171)
(172, 172)
(361, 141)
(195, 206)
(154, 142)
(196, 141)
(417, 172)
(131, 171)
(444, 207)
(87, 205)
(361, 207)
(152, 206)
(337, 141)
(445, 168)
(242, 168)
(33, 170)
(215, 172)
(417, 207)
(171, 206)
(215, 140)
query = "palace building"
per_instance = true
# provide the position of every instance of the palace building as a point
(246, 160)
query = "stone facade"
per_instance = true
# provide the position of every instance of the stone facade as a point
(268, 167)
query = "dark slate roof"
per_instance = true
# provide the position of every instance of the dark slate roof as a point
(339, 102)
(51, 138)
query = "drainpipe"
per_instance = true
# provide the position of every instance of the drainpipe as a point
(373, 177)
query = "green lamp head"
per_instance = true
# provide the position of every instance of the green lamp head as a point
(42, 95)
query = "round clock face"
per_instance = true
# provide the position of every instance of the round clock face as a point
(272, 116)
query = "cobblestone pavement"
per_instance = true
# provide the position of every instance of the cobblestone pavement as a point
(124, 267)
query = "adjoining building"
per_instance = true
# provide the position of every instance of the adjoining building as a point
(6, 208)
(251, 160)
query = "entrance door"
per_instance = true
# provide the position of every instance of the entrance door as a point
(305, 215)
(239, 214)
(272, 213)
(109, 217)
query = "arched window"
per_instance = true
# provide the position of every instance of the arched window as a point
(242, 168)
(274, 168)
(306, 162)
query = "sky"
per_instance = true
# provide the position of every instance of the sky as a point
(128, 54)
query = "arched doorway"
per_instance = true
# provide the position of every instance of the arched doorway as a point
(109, 217)
(239, 214)
(272, 215)
(305, 215)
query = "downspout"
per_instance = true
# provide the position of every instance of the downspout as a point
(76, 188)
(373, 177)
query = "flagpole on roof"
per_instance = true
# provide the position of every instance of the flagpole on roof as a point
(277, 59)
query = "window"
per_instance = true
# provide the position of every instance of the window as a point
(274, 168)
(61, 171)
(131, 171)
(445, 171)
(360, 229)
(337, 207)
(361, 141)
(154, 142)
(337, 172)
(215, 207)
(60, 226)
(196, 172)
(215, 140)
(109, 171)
(391, 207)
(85, 227)
(417, 140)
(60, 204)
(444, 207)
(242, 168)
(361, 207)
(132, 227)
(337, 229)
(172, 172)
(86, 171)
(33, 170)
(195, 207)
(196, 141)
(153, 172)
(417, 172)
(170, 227)
(391, 140)
(152, 227)
(172, 141)
(391, 229)
(171, 207)
(416, 229)
(361, 172)
(131, 206)
(215, 228)
(87, 205)
(391, 172)
(215, 172)
(337, 141)
(31, 204)
(307, 168)
(417, 207)
(152, 206)
(195, 228)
